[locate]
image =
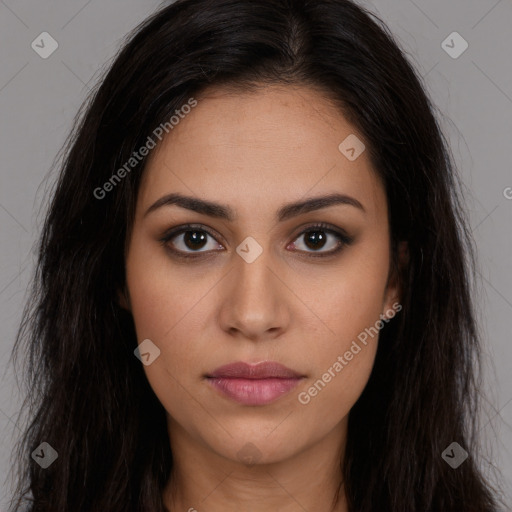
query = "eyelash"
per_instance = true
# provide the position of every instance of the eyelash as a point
(344, 240)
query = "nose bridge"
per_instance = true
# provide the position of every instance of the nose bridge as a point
(256, 276)
(252, 262)
(255, 304)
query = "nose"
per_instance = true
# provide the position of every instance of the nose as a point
(254, 303)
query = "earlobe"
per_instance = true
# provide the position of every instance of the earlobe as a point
(394, 288)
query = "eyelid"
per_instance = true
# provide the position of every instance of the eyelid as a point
(344, 239)
(323, 226)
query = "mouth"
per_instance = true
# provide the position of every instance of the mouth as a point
(250, 384)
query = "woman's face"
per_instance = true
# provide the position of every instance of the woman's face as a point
(253, 280)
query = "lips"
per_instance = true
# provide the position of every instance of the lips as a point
(251, 384)
(264, 370)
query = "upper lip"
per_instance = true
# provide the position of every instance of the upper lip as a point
(263, 370)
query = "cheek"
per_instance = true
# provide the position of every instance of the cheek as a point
(161, 295)
(328, 399)
(351, 305)
(354, 297)
(344, 360)
(156, 309)
(161, 315)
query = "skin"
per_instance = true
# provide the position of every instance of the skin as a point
(255, 152)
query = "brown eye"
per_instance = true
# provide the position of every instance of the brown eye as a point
(318, 237)
(315, 239)
(194, 239)
(189, 240)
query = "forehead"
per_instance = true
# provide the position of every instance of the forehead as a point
(260, 148)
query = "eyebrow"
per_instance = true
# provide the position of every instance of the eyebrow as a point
(286, 212)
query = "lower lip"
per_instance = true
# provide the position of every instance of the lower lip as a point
(253, 391)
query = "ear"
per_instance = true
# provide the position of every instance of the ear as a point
(123, 299)
(394, 288)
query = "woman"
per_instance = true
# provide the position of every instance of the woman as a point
(257, 205)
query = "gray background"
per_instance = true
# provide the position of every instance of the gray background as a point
(40, 97)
